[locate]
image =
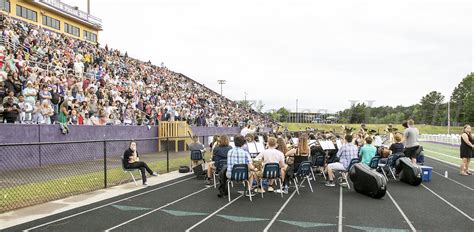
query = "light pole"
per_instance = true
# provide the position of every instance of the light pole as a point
(221, 82)
(245, 96)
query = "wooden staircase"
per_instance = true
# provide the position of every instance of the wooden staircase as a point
(175, 132)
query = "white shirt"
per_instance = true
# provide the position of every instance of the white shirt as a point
(246, 131)
(272, 155)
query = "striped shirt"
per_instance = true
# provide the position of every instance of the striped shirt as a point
(347, 152)
(236, 156)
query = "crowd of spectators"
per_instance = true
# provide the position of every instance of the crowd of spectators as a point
(54, 78)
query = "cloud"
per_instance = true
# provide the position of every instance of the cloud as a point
(322, 53)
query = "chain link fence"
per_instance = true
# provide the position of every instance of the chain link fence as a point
(39, 172)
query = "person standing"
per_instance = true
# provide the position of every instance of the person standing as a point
(131, 161)
(467, 142)
(411, 141)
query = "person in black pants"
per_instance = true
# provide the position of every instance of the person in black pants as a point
(131, 161)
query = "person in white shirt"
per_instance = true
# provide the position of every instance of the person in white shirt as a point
(246, 130)
(272, 155)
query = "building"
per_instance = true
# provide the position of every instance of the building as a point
(56, 16)
(309, 117)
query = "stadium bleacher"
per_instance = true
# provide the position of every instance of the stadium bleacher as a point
(102, 86)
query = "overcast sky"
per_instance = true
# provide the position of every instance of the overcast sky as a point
(323, 53)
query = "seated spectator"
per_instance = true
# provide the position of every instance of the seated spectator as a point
(368, 151)
(346, 153)
(218, 153)
(11, 110)
(272, 155)
(131, 161)
(235, 156)
(398, 146)
(196, 146)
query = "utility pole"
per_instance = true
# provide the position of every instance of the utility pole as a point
(221, 82)
(245, 96)
(449, 117)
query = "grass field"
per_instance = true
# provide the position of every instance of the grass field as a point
(34, 193)
(424, 129)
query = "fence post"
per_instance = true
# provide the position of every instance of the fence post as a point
(167, 155)
(105, 164)
(39, 146)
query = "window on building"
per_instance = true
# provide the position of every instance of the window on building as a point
(26, 13)
(71, 30)
(51, 22)
(5, 5)
(90, 36)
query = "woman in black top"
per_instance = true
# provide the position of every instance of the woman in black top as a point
(467, 141)
(131, 161)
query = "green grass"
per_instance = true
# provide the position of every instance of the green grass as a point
(450, 153)
(424, 129)
(35, 193)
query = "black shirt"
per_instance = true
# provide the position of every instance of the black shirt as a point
(220, 153)
(397, 148)
(126, 157)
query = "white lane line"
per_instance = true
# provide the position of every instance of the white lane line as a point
(279, 212)
(446, 163)
(449, 203)
(401, 212)
(339, 224)
(454, 181)
(102, 206)
(161, 207)
(450, 156)
(210, 215)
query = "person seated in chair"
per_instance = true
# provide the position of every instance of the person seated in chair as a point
(272, 155)
(367, 152)
(235, 156)
(196, 146)
(131, 161)
(346, 153)
(219, 153)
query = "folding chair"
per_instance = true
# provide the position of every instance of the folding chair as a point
(374, 162)
(390, 165)
(318, 162)
(219, 166)
(345, 173)
(240, 173)
(130, 170)
(271, 171)
(304, 171)
(196, 155)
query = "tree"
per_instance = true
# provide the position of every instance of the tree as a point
(430, 107)
(462, 101)
(284, 113)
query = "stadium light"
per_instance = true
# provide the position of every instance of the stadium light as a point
(221, 82)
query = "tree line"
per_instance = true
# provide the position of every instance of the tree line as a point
(432, 109)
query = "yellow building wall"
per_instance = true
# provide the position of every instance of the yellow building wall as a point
(41, 11)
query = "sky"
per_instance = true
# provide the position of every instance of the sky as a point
(321, 55)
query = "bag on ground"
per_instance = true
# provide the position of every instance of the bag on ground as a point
(367, 181)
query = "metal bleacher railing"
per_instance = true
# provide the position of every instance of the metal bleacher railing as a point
(452, 139)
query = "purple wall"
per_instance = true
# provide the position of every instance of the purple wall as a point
(27, 156)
